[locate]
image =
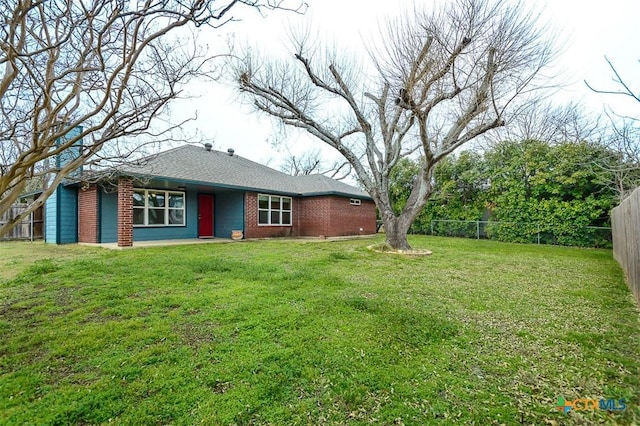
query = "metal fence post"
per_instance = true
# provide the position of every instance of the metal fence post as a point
(477, 229)
(431, 227)
(538, 233)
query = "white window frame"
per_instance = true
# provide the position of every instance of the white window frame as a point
(166, 209)
(355, 202)
(280, 210)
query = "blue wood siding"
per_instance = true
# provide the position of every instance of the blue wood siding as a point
(68, 215)
(61, 210)
(108, 217)
(228, 213)
(72, 152)
(51, 222)
(173, 232)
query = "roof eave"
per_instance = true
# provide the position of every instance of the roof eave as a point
(212, 184)
(150, 177)
(336, 193)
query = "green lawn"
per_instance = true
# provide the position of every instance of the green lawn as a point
(295, 332)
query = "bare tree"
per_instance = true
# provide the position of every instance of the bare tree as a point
(311, 162)
(621, 139)
(622, 159)
(440, 80)
(96, 71)
(544, 121)
(622, 86)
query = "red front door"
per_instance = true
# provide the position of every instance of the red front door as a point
(205, 216)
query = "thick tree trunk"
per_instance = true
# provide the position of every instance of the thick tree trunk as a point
(396, 228)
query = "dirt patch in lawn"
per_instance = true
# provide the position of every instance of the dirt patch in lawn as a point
(382, 248)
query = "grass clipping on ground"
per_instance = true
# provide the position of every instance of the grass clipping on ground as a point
(386, 248)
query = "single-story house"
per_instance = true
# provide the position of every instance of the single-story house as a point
(197, 192)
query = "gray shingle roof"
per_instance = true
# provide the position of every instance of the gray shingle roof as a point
(195, 164)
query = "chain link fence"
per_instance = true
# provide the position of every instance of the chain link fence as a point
(532, 233)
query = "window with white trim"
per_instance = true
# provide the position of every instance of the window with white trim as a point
(158, 208)
(355, 202)
(274, 210)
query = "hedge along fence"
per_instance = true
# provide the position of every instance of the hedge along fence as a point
(625, 223)
(532, 233)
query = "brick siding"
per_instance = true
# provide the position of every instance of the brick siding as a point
(315, 216)
(328, 216)
(333, 216)
(253, 230)
(125, 212)
(352, 220)
(88, 215)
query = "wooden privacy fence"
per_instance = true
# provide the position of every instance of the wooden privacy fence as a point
(30, 228)
(625, 224)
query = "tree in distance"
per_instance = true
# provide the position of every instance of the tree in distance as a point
(622, 138)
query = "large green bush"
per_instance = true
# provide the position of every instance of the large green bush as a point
(537, 192)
